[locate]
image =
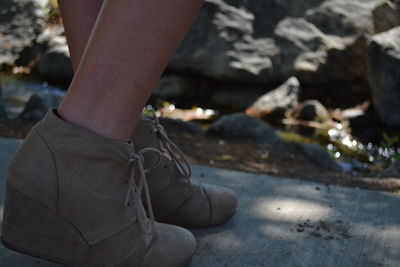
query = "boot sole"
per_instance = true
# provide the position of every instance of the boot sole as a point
(61, 261)
(197, 226)
(38, 255)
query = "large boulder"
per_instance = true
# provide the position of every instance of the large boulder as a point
(269, 41)
(384, 75)
(221, 45)
(20, 23)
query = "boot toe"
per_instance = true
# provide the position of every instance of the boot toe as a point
(173, 246)
(223, 203)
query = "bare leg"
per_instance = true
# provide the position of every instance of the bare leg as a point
(130, 46)
(79, 18)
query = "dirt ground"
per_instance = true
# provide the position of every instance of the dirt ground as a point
(251, 157)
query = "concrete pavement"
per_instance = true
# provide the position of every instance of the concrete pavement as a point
(281, 222)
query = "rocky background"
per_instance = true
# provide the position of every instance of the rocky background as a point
(318, 66)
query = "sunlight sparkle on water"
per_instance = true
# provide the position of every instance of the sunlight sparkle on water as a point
(210, 112)
(199, 111)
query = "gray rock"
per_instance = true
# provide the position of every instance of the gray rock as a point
(343, 17)
(277, 102)
(170, 87)
(55, 64)
(324, 62)
(179, 126)
(384, 75)
(277, 10)
(386, 16)
(340, 61)
(20, 23)
(243, 127)
(328, 44)
(221, 45)
(35, 109)
(268, 41)
(309, 154)
(320, 156)
(299, 38)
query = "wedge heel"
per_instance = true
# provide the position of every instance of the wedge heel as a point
(33, 229)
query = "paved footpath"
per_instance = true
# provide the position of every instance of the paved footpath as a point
(280, 223)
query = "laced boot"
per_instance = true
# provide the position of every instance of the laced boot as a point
(177, 197)
(74, 197)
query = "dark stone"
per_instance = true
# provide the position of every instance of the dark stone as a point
(243, 127)
(55, 65)
(35, 109)
(320, 156)
(314, 154)
(178, 126)
(312, 110)
(384, 75)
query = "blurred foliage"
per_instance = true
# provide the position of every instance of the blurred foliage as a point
(390, 143)
(54, 15)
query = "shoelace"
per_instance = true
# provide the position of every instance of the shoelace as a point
(137, 160)
(177, 156)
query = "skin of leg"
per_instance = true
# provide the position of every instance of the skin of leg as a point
(79, 18)
(131, 43)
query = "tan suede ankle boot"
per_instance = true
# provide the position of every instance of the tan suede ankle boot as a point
(177, 198)
(74, 197)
